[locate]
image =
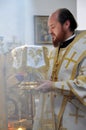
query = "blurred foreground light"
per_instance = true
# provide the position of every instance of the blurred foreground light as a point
(20, 128)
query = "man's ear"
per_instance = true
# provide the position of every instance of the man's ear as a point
(67, 24)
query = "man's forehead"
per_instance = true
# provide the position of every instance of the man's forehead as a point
(52, 22)
(52, 19)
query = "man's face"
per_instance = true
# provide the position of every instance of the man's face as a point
(56, 30)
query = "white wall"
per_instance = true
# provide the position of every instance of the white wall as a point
(81, 14)
(16, 16)
(48, 6)
(12, 19)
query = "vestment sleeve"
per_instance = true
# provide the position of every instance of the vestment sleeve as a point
(76, 86)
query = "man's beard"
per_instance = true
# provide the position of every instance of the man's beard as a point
(56, 43)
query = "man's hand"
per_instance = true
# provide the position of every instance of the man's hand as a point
(45, 86)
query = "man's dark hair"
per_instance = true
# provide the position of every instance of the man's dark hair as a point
(64, 15)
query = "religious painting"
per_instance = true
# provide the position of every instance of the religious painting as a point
(41, 34)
